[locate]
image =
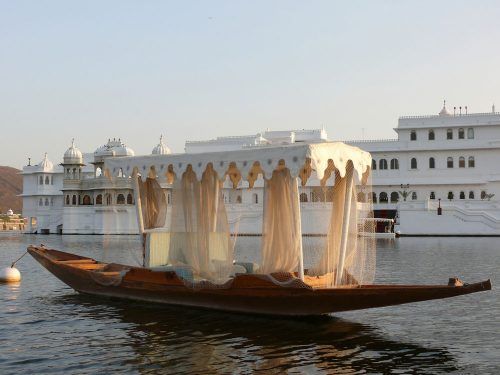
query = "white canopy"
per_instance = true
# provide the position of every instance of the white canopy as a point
(300, 159)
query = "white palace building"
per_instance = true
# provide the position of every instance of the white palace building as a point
(449, 160)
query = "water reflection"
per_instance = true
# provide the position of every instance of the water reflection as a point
(200, 341)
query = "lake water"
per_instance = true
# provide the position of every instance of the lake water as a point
(46, 327)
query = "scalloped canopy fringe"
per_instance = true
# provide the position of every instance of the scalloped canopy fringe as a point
(302, 160)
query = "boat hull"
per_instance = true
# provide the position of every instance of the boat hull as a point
(247, 293)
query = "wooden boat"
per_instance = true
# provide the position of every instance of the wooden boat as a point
(244, 293)
(188, 257)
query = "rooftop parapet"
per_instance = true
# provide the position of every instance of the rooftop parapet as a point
(488, 118)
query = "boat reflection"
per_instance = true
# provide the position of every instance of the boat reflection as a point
(182, 340)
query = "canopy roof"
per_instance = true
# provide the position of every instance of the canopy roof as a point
(247, 164)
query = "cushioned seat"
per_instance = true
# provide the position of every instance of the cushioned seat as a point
(184, 272)
(249, 266)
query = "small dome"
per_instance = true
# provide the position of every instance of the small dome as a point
(114, 148)
(101, 150)
(73, 155)
(10, 212)
(45, 165)
(161, 148)
(444, 110)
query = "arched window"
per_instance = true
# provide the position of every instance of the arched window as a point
(394, 197)
(46, 201)
(461, 133)
(470, 133)
(73, 200)
(431, 135)
(382, 164)
(108, 199)
(483, 194)
(98, 172)
(414, 196)
(120, 199)
(394, 164)
(98, 199)
(314, 196)
(40, 181)
(130, 200)
(86, 200)
(472, 164)
(471, 194)
(40, 202)
(361, 197)
(413, 163)
(450, 195)
(67, 200)
(47, 180)
(383, 197)
(462, 195)
(433, 195)
(432, 163)
(303, 197)
(413, 135)
(238, 199)
(449, 134)
(374, 164)
(461, 162)
(449, 162)
(374, 197)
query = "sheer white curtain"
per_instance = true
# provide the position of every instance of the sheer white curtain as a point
(153, 203)
(200, 235)
(281, 224)
(359, 261)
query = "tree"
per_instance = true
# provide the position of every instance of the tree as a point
(405, 194)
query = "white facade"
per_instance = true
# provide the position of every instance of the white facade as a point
(445, 159)
(74, 197)
(42, 197)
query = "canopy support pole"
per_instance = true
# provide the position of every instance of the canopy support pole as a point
(138, 204)
(140, 220)
(299, 232)
(216, 204)
(345, 224)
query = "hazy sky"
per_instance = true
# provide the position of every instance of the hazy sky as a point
(200, 69)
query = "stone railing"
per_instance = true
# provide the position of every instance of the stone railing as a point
(450, 116)
(371, 140)
(105, 183)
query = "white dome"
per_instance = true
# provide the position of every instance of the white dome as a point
(10, 212)
(45, 165)
(123, 151)
(114, 148)
(444, 110)
(161, 148)
(73, 155)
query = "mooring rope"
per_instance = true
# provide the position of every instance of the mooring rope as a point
(18, 259)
